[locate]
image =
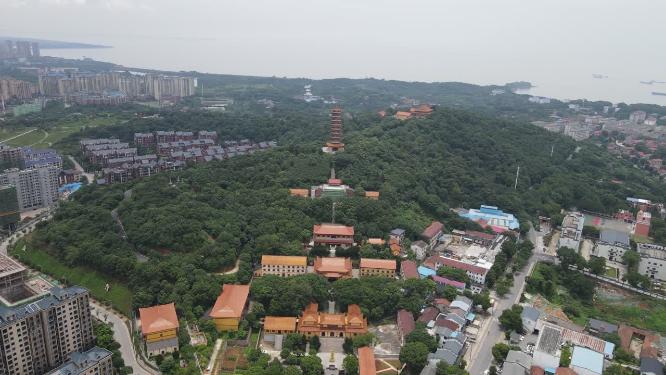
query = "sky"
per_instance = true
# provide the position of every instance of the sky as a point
(479, 41)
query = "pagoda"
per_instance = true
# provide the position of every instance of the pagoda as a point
(335, 142)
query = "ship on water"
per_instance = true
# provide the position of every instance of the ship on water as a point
(658, 93)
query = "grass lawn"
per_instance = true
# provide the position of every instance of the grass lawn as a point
(611, 272)
(46, 138)
(6, 133)
(118, 295)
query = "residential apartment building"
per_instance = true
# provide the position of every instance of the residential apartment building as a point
(653, 261)
(10, 215)
(35, 187)
(12, 276)
(96, 361)
(476, 271)
(378, 267)
(42, 335)
(283, 265)
(572, 231)
(15, 89)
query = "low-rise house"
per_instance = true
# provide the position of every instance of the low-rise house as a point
(429, 314)
(284, 266)
(572, 231)
(376, 241)
(408, 270)
(600, 327)
(530, 316)
(517, 363)
(479, 238)
(378, 267)
(425, 272)
(374, 195)
(366, 361)
(280, 325)
(333, 268)
(229, 307)
(443, 282)
(304, 193)
(398, 234)
(587, 362)
(547, 351)
(159, 328)
(420, 249)
(405, 324)
(432, 233)
(652, 261)
(477, 272)
(651, 366)
(612, 245)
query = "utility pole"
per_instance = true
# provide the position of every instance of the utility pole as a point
(515, 186)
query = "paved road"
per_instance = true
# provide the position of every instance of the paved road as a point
(19, 233)
(122, 335)
(490, 332)
(79, 168)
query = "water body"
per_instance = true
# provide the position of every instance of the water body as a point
(561, 78)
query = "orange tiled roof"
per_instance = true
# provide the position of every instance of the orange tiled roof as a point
(387, 264)
(299, 192)
(332, 265)
(284, 260)
(231, 302)
(376, 241)
(280, 323)
(402, 115)
(372, 194)
(332, 319)
(158, 318)
(333, 229)
(366, 361)
(395, 249)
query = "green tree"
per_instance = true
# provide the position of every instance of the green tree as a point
(565, 357)
(444, 368)
(569, 256)
(511, 319)
(500, 351)
(414, 355)
(453, 274)
(597, 265)
(350, 364)
(315, 344)
(419, 334)
(311, 365)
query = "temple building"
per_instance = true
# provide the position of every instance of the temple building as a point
(333, 189)
(333, 268)
(378, 267)
(374, 195)
(305, 193)
(159, 327)
(280, 325)
(284, 266)
(229, 306)
(333, 235)
(314, 323)
(334, 143)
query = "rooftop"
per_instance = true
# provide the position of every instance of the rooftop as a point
(432, 230)
(158, 318)
(531, 313)
(587, 359)
(405, 322)
(408, 269)
(56, 297)
(366, 361)
(613, 236)
(333, 265)
(284, 260)
(231, 302)
(80, 361)
(601, 326)
(333, 229)
(280, 323)
(9, 266)
(387, 264)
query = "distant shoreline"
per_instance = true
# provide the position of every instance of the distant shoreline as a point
(56, 44)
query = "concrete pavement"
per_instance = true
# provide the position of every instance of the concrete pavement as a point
(491, 333)
(79, 168)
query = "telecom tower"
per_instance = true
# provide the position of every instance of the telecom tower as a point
(335, 142)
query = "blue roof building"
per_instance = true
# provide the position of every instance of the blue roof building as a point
(587, 361)
(425, 272)
(492, 216)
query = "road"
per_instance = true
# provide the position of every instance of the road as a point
(122, 335)
(29, 227)
(79, 168)
(490, 332)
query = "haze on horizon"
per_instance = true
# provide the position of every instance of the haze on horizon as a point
(552, 43)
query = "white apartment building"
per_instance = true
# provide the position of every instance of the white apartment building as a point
(35, 187)
(96, 361)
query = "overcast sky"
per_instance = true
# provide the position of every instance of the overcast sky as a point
(470, 40)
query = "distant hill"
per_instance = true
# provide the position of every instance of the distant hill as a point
(54, 44)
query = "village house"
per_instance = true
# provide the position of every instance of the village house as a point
(431, 234)
(405, 324)
(284, 266)
(159, 328)
(378, 267)
(408, 270)
(229, 307)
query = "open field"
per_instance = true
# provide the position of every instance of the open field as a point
(43, 138)
(6, 133)
(118, 295)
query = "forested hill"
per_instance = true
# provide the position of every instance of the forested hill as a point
(198, 221)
